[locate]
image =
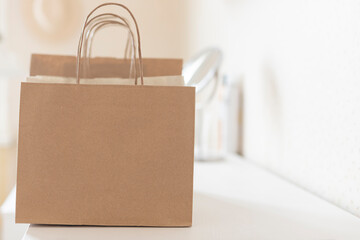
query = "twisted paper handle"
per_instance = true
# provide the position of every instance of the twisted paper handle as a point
(78, 65)
(103, 20)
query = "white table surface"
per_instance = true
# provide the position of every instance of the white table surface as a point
(8, 229)
(234, 199)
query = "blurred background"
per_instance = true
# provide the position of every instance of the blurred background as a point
(288, 97)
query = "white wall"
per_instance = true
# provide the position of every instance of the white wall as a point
(300, 61)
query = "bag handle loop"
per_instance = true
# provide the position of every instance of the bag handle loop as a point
(95, 24)
(107, 19)
(78, 65)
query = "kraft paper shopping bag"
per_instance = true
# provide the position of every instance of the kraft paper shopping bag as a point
(114, 155)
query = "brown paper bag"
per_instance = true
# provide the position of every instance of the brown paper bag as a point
(115, 155)
(65, 66)
(62, 69)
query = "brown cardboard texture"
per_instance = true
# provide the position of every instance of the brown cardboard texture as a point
(65, 66)
(105, 155)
